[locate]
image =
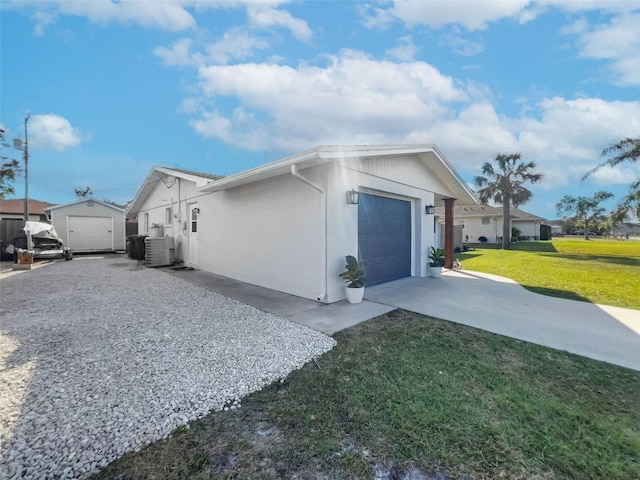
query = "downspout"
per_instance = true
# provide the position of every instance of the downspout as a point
(323, 225)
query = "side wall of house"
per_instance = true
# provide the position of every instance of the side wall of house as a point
(175, 196)
(60, 220)
(474, 229)
(268, 233)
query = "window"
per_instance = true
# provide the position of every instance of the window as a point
(462, 222)
(168, 213)
(194, 220)
(146, 223)
(486, 221)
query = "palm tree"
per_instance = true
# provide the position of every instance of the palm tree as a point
(506, 186)
(626, 150)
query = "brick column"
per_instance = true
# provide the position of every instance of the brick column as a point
(448, 232)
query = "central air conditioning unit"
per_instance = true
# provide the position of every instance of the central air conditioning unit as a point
(159, 251)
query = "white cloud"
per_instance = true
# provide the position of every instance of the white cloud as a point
(404, 51)
(165, 15)
(266, 16)
(52, 132)
(622, 175)
(472, 14)
(568, 135)
(171, 15)
(619, 42)
(42, 20)
(178, 55)
(236, 44)
(478, 14)
(353, 97)
(459, 44)
(357, 99)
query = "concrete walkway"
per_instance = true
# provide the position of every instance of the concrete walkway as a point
(480, 300)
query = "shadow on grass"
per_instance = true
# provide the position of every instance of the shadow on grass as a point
(554, 292)
(613, 259)
(467, 255)
(537, 246)
(540, 246)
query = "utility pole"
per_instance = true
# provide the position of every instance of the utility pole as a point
(26, 170)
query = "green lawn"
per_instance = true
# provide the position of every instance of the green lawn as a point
(599, 271)
(406, 395)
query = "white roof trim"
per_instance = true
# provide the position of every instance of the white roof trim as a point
(146, 186)
(82, 201)
(327, 154)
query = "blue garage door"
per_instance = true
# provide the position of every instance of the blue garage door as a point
(384, 238)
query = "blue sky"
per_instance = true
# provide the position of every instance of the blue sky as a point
(221, 86)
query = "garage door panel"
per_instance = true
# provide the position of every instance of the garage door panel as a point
(90, 233)
(384, 238)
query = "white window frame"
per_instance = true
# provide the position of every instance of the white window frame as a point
(146, 222)
(486, 221)
(462, 222)
(168, 216)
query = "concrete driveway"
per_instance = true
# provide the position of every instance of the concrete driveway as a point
(480, 300)
(500, 305)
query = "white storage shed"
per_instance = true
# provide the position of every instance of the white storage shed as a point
(89, 225)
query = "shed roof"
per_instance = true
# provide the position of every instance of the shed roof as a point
(83, 200)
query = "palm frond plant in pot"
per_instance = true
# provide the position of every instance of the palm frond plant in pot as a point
(354, 275)
(436, 261)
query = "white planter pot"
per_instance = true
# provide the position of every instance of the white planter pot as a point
(354, 295)
(435, 271)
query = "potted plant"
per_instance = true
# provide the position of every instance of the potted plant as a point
(354, 275)
(436, 261)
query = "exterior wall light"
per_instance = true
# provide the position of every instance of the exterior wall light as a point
(196, 211)
(430, 209)
(352, 197)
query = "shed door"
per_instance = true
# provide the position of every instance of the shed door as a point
(384, 238)
(90, 233)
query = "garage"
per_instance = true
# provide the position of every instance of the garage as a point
(384, 238)
(90, 225)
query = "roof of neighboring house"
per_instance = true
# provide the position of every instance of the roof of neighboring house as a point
(83, 200)
(461, 211)
(16, 206)
(326, 154)
(167, 174)
(195, 174)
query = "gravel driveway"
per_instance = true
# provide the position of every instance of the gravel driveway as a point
(99, 356)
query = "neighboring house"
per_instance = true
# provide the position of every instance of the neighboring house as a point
(12, 216)
(89, 225)
(627, 229)
(557, 226)
(288, 225)
(167, 198)
(486, 221)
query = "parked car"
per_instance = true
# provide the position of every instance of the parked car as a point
(45, 240)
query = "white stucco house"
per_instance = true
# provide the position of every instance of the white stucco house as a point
(486, 221)
(287, 225)
(89, 225)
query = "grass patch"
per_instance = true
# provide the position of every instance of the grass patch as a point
(599, 271)
(406, 394)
